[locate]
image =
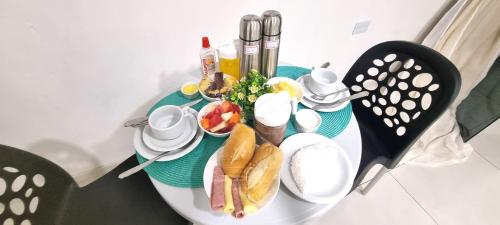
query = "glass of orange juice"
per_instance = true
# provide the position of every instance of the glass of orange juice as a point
(229, 63)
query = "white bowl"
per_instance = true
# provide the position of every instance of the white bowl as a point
(216, 159)
(203, 112)
(210, 99)
(292, 82)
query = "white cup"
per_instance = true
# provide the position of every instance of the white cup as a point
(322, 81)
(167, 122)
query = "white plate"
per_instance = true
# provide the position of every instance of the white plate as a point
(172, 144)
(344, 171)
(148, 153)
(308, 101)
(216, 159)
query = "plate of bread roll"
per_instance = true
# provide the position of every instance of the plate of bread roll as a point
(241, 178)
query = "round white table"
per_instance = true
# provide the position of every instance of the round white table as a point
(194, 205)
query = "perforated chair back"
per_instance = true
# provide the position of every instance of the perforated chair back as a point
(410, 86)
(33, 190)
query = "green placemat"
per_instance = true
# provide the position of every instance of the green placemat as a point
(187, 171)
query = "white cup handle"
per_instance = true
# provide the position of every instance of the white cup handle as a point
(295, 104)
(185, 112)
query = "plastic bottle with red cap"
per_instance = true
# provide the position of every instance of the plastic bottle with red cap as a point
(207, 56)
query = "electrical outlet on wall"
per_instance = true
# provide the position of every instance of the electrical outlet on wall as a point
(361, 27)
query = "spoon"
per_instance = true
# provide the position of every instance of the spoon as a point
(323, 97)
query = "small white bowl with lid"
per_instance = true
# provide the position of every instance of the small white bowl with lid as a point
(307, 121)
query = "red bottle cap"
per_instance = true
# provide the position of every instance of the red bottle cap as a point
(205, 42)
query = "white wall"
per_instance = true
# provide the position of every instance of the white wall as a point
(72, 71)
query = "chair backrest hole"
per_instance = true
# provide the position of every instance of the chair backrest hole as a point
(408, 63)
(382, 76)
(360, 77)
(8, 221)
(383, 90)
(404, 117)
(400, 131)
(366, 103)
(403, 75)
(402, 85)
(39, 180)
(3, 186)
(382, 101)
(395, 97)
(378, 62)
(409, 104)
(28, 192)
(426, 101)
(16, 205)
(414, 94)
(395, 66)
(433, 87)
(391, 111)
(370, 84)
(377, 110)
(11, 169)
(388, 122)
(34, 204)
(26, 222)
(356, 88)
(416, 115)
(422, 80)
(373, 71)
(390, 57)
(18, 183)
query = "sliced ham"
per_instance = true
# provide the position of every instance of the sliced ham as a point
(217, 195)
(238, 207)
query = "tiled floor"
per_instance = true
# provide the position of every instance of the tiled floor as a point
(462, 194)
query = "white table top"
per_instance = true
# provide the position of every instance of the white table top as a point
(194, 205)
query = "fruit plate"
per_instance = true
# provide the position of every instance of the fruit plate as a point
(204, 111)
(216, 159)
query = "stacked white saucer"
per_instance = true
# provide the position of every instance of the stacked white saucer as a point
(170, 129)
(322, 81)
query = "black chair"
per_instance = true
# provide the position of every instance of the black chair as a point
(35, 191)
(410, 86)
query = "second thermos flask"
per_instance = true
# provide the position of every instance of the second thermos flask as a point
(270, 46)
(250, 37)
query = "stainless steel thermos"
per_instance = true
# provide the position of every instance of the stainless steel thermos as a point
(270, 44)
(250, 37)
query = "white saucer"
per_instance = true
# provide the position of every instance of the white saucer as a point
(309, 102)
(148, 153)
(344, 171)
(172, 144)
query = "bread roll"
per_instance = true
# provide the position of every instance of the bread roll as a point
(238, 150)
(260, 173)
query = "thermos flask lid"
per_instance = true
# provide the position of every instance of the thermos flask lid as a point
(250, 28)
(271, 22)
